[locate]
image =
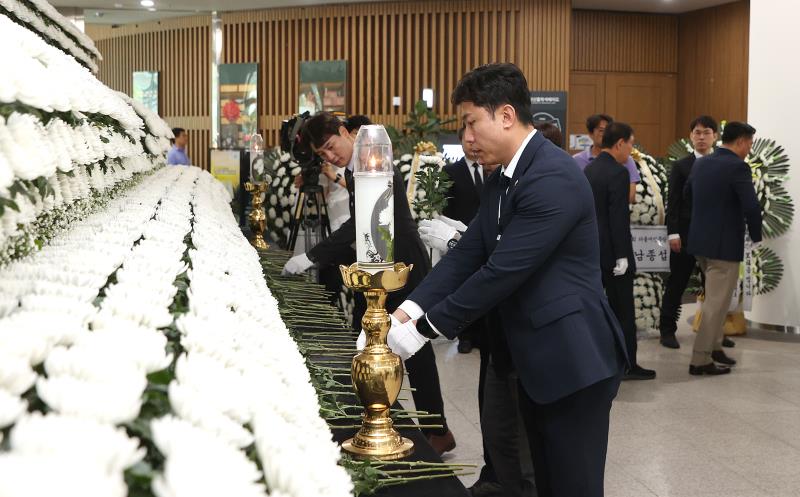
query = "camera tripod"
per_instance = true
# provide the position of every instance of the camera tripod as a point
(309, 197)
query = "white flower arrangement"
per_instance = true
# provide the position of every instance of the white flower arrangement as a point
(232, 338)
(283, 195)
(57, 163)
(648, 209)
(648, 290)
(66, 35)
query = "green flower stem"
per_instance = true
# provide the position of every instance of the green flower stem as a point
(400, 481)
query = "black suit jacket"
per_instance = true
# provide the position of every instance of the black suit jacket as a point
(679, 206)
(543, 275)
(609, 181)
(723, 197)
(462, 198)
(338, 248)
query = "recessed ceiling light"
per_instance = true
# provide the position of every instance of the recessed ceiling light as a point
(147, 3)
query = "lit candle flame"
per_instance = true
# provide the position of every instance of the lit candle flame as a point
(373, 163)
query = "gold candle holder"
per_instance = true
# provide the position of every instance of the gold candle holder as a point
(257, 217)
(377, 372)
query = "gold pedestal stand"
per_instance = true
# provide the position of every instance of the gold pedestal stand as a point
(257, 218)
(377, 373)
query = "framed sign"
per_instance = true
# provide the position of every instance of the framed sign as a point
(550, 107)
(145, 89)
(323, 86)
(650, 248)
(225, 166)
(238, 100)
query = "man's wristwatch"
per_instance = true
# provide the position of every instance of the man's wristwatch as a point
(338, 177)
(451, 243)
(425, 329)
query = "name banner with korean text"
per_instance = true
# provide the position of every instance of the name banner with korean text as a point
(744, 291)
(650, 248)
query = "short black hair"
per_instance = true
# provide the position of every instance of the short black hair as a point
(355, 122)
(493, 85)
(319, 128)
(615, 132)
(176, 132)
(704, 121)
(592, 122)
(735, 130)
(551, 132)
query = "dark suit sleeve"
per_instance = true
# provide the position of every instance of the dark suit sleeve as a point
(743, 186)
(544, 214)
(458, 264)
(618, 214)
(687, 189)
(337, 246)
(677, 180)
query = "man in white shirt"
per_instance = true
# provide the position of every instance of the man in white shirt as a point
(703, 135)
(532, 252)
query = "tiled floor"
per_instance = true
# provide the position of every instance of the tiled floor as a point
(678, 436)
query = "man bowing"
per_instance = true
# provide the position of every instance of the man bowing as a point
(533, 252)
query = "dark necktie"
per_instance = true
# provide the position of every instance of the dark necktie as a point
(478, 180)
(505, 181)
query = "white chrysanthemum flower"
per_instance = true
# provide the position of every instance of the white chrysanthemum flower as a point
(41, 476)
(11, 408)
(71, 437)
(67, 395)
(187, 404)
(16, 375)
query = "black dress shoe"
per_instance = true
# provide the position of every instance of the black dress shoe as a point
(464, 346)
(639, 373)
(727, 342)
(486, 489)
(670, 342)
(442, 443)
(709, 369)
(720, 357)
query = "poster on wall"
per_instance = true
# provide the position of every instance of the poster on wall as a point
(224, 165)
(238, 100)
(323, 86)
(145, 89)
(550, 107)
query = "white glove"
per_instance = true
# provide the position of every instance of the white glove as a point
(361, 342)
(621, 267)
(451, 222)
(297, 265)
(435, 234)
(403, 339)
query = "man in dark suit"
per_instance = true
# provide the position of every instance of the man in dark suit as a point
(723, 198)
(609, 181)
(463, 199)
(703, 135)
(330, 139)
(532, 251)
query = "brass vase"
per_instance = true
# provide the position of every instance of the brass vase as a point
(257, 217)
(377, 372)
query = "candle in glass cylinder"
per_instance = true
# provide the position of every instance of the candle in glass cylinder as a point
(373, 172)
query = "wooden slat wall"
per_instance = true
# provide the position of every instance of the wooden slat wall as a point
(179, 50)
(397, 49)
(714, 52)
(392, 48)
(624, 42)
